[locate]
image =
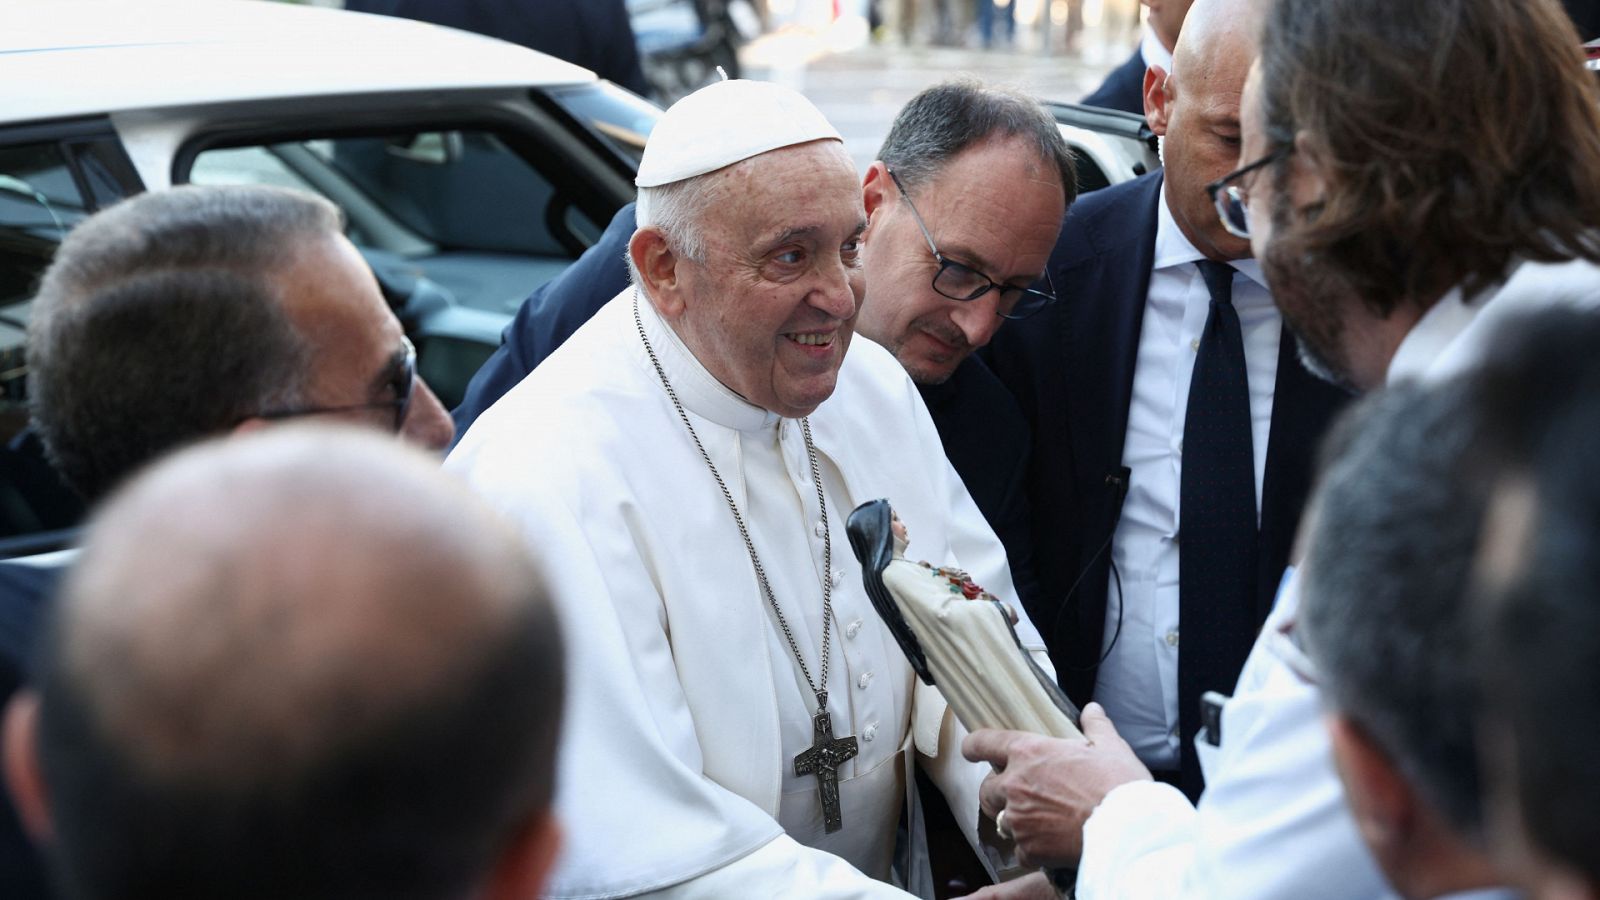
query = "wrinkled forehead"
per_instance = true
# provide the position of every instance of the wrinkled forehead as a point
(807, 189)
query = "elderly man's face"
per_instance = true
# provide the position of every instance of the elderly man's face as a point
(356, 345)
(771, 310)
(995, 208)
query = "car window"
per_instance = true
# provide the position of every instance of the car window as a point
(39, 202)
(618, 118)
(46, 187)
(458, 207)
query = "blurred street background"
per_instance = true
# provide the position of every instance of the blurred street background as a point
(858, 60)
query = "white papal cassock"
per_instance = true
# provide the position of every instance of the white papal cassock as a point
(685, 707)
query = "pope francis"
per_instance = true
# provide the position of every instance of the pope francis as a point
(741, 722)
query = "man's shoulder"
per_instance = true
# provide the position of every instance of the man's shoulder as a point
(1108, 221)
(871, 376)
(561, 408)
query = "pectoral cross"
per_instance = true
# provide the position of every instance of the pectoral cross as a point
(827, 753)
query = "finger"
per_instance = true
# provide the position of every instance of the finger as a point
(989, 745)
(1096, 724)
(991, 796)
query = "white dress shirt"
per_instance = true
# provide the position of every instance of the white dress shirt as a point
(1138, 682)
(1272, 822)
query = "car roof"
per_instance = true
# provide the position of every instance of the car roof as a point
(61, 58)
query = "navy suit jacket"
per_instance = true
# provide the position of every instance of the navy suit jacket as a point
(981, 426)
(1071, 368)
(25, 593)
(1124, 88)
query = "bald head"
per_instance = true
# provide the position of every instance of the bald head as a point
(309, 638)
(1218, 42)
(1195, 109)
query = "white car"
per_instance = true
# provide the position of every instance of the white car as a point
(470, 170)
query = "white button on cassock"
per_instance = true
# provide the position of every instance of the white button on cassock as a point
(851, 630)
(870, 732)
(838, 578)
(864, 680)
(819, 531)
(1172, 639)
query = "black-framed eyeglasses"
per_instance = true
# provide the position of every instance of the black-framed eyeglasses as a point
(1233, 200)
(403, 382)
(962, 282)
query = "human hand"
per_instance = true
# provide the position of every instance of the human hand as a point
(1049, 786)
(1028, 887)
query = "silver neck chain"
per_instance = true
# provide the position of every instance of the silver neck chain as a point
(749, 545)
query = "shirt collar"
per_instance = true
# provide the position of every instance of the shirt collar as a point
(1153, 51)
(1438, 328)
(1174, 249)
(698, 390)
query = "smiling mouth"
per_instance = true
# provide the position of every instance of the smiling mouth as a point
(818, 339)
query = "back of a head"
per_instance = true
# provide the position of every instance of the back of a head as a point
(303, 663)
(159, 322)
(1455, 137)
(1540, 617)
(948, 118)
(1385, 583)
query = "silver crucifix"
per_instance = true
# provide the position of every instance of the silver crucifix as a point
(827, 753)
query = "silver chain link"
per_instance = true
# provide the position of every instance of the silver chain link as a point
(749, 545)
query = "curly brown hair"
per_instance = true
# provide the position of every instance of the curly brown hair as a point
(1456, 136)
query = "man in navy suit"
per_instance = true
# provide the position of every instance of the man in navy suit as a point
(1124, 88)
(965, 199)
(1114, 382)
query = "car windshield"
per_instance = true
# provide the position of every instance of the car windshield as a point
(619, 118)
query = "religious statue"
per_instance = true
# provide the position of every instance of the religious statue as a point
(957, 636)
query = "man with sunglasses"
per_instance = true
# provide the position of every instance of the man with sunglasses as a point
(1172, 425)
(187, 313)
(963, 206)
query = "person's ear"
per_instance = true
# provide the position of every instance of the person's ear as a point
(1380, 799)
(877, 189)
(1157, 98)
(524, 868)
(20, 738)
(659, 269)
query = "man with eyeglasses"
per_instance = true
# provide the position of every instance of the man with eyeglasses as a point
(1401, 220)
(187, 313)
(963, 206)
(1172, 426)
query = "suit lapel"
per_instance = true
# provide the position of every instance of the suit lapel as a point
(1101, 331)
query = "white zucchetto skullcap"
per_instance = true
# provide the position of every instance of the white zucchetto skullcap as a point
(724, 123)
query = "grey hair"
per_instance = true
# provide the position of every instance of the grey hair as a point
(944, 120)
(677, 210)
(1384, 613)
(159, 321)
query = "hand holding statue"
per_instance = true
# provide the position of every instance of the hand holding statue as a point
(1047, 786)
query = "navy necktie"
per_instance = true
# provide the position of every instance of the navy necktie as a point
(1217, 539)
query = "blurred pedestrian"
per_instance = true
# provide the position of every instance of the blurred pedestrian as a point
(595, 34)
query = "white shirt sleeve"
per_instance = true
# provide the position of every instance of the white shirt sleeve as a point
(1272, 822)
